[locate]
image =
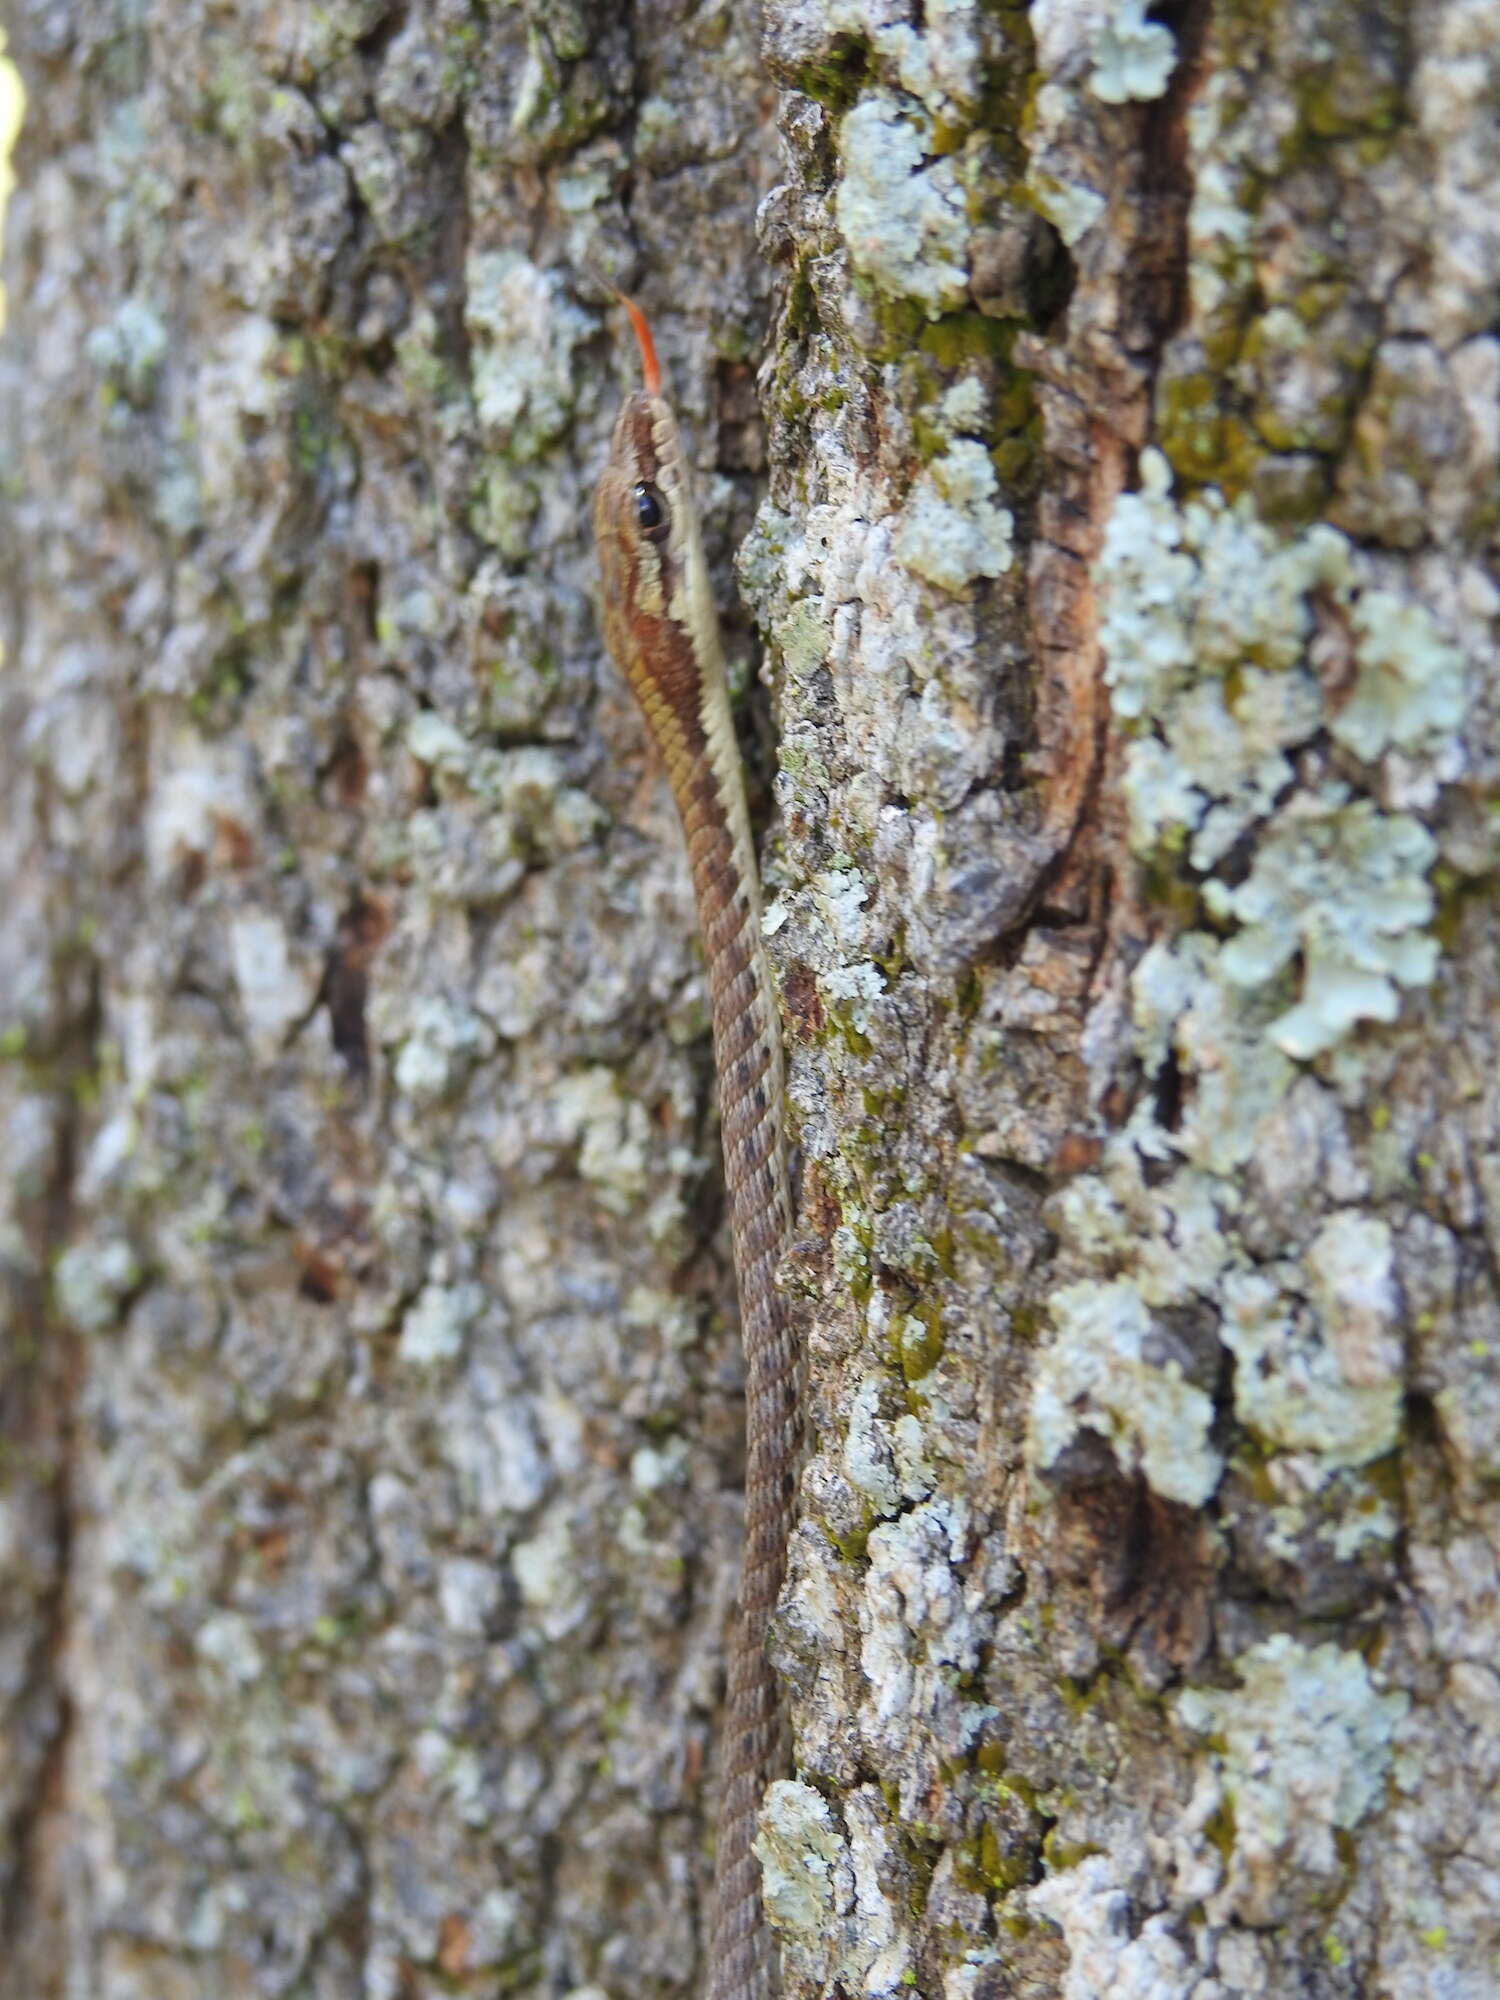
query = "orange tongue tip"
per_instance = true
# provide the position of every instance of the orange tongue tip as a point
(650, 366)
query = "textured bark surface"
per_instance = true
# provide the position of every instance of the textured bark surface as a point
(370, 1509)
(1127, 574)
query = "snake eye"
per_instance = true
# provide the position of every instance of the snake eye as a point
(651, 513)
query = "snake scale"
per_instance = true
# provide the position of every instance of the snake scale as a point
(661, 628)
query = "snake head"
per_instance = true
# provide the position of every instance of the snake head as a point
(659, 616)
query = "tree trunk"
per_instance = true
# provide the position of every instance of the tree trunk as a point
(1126, 590)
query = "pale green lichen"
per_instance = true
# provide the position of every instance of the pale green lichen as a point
(804, 1862)
(1197, 589)
(524, 335)
(91, 1281)
(416, 613)
(914, 1618)
(1409, 691)
(1133, 57)
(276, 985)
(841, 895)
(1181, 1257)
(1207, 623)
(914, 1469)
(652, 1469)
(802, 636)
(527, 802)
(1351, 1273)
(760, 563)
(961, 408)
(1089, 1216)
(1095, 1376)
(869, 1460)
(1221, 219)
(1221, 763)
(468, 1594)
(545, 1567)
(454, 1771)
(527, 785)
(851, 1258)
(1184, 1003)
(852, 988)
(952, 530)
(1317, 1342)
(1344, 887)
(502, 508)
(901, 213)
(225, 1642)
(612, 1132)
(433, 740)
(1293, 1388)
(1112, 1954)
(433, 1329)
(941, 63)
(444, 1040)
(497, 1921)
(670, 1322)
(1372, 1524)
(373, 156)
(129, 348)
(1070, 206)
(1167, 1236)
(1305, 1745)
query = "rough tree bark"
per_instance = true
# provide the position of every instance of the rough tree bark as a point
(1125, 574)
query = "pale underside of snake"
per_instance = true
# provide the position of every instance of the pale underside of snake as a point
(662, 630)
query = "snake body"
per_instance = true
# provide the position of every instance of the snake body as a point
(662, 630)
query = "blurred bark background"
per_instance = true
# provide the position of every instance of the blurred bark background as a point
(1102, 414)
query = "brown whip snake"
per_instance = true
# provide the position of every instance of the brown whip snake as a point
(661, 627)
